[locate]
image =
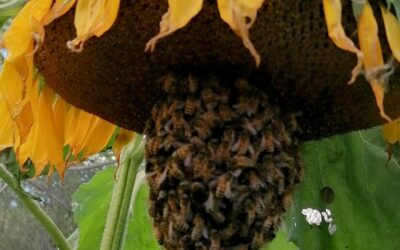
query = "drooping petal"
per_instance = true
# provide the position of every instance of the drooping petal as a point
(236, 13)
(391, 131)
(59, 112)
(373, 58)
(6, 129)
(98, 137)
(123, 138)
(92, 17)
(59, 8)
(392, 28)
(179, 13)
(333, 18)
(20, 34)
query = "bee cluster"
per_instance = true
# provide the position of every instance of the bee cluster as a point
(221, 165)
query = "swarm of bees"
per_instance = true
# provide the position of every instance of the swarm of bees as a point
(221, 164)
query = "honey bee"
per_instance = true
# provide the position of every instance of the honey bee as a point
(258, 122)
(200, 246)
(242, 146)
(243, 85)
(258, 240)
(199, 192)
(207, 172)
(158, 234)
(184, 242)
(164, 228)
(239, 247)
(217, 216)
(198, 164)
(172, 201)
(287, 200)
(168, 82)
(224, 95)
(267, 141)
(254, 181)
(215, 240)
(175, 171)
(245, 162)
(176, 106)
(239, 195)
(242, 105)
(269, 221)
(225, 112)
(222, 153)
(224, 186)
(202, 128)
(152, 208)
(208, 98)
(179, 124)
(250, 208)
(292, 123)
(161, 124)
(280, 177)
(210, 117)
(179, 220)
(252, 106)
(196, 141)
(193, 84)
(229, 136)
(152, 146)
(212, 208)
(162, 194)
(260, 204)
(248, 126)
(284, 158)
(191, 105)
(198, 226)
(230, 230)
(184, 154)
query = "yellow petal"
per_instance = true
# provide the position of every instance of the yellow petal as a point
(391, 131)
(92, 17)
(59, 8)
(392, 28)
(60, 111)
(107, 19)
(123, 138)
(373, 58)
(333, 18)
(179, 13)
(20, 34)
(11, 84)
(51, 141)
(69, 126)
(81, 126)
(98, 137)
(6, 131)
(235, 14)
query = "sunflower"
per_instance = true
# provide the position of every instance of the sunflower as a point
(210, 96)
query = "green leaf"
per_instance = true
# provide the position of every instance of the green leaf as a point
(281, 242)
(366, 205)
(92, 201)
(140, 231)
(92, 204)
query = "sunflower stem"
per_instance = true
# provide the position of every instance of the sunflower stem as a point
(35, 209)
(123, 196)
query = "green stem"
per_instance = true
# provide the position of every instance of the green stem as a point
(36, 210)
(118, 215)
